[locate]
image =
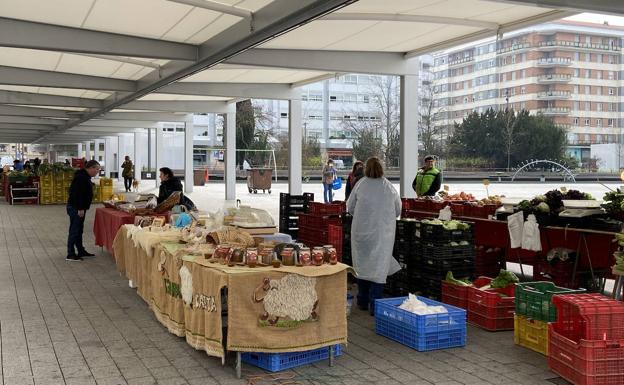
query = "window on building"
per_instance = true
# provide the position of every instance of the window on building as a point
(611, 91)
(587, 106)
(284, 114)
(577, 72)
(523, 74)
(598, 106)
(611, 75)
(576, 105)
(576, 89)
(465, 99)
(588, 57)
(491, 47)
(598, 90)
(363, 79)
(599, 122)
(598, 74)
(610, 122)
(575, 121)
(513, 59)
(332, 98)
(577, 56)
(588, 74)
(513, 75)
(523, 90)
(612, 59)
(351, 79)
(304, 96)
(611, 107)
(315, 97)
(599, 58)
(587, 122)
(523, 57)
(587, 39)
(587, 90)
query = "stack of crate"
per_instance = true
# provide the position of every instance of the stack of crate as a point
(314, 227)
(290, 208)
(46, 189)
(106, 189)
(60, 195)
(586, 343)
(406, 252)
(346, 239)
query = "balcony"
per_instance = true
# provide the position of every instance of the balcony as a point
(554, 111)
(460, 61)
(554, 78)
(565, 126)
(577, 44)
(514, 47)
(552, 95)
(554, 61)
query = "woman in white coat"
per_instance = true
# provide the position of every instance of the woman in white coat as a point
(375, 205)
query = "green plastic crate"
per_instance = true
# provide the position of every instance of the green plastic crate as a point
(534, 299)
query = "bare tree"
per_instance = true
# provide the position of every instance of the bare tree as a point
(431, 134)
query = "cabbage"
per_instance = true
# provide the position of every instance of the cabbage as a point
(543, 207)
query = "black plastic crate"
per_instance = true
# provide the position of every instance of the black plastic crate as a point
(288, 199)
(433, 251)
(439, 235)
(446, 264)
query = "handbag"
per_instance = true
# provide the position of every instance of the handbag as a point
(337, 184)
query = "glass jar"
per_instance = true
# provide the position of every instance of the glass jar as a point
(288, 256)
(318, 256)
(252, 257)
(222, 252)
(333, 254)
(305, 256)
(266, 255)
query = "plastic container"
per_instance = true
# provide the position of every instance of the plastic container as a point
(437, 234)
(534, 299)
(586, 362)
(488, 309)
(334, 208)
(335, 238)
(275, 362)
(455, 295)
(530, 333)
(420, 332)
(589, 317)
(318, 221)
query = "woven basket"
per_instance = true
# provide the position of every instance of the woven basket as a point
(168, 203)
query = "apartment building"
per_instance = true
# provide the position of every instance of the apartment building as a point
(569, 71)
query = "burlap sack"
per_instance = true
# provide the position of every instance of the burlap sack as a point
(247, 332)
(163, 289)
(119, 249)
(202, 316)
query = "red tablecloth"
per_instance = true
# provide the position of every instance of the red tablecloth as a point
(107, 223)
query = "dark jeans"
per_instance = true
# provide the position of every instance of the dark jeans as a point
(128, 182)
(76, 227)
(328, 192)
(368, 292)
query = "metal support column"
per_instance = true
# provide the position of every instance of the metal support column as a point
(138, 156)
(87, 150)
(188, 154)
(121, 140)
(108, 157)
(78, 150)
(410, 106)
(294, 146)
(159, 151)
(229, 137)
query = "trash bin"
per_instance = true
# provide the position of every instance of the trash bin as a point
(199, 177)
(259, 179)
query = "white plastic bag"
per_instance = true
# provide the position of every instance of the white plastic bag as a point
(515, 225)
(531, 235)
(445, 214)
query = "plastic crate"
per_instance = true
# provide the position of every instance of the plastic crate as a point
(438, 234)
(589, 317)
(275, 362)
(559, 273)
(334, 208)
(318, 221)
(446, 251)
(288, 199)
(335, 238)
(445, 264)
(420, 332)
(534, 299)
(586, 362)
(530, 333)
(106, 182)
(488, 309)
(455, 295)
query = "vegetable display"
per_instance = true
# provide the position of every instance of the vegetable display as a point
(459, 282)
(448, 225)
(614, 202)
(461, 196)
(504, 279)
(551, 202)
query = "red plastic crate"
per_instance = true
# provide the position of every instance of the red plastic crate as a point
(559, 273)
(488, 261)
(334, 208)
(589, 317)
(455, 295)
(334, 238)
(586, 362)
(318, 221)
(488, 308)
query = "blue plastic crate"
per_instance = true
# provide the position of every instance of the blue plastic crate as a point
(275, 362)
(420, 332)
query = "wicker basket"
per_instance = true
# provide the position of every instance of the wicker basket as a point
(168, 203)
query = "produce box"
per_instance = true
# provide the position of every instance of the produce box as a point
(534, 299)
(320, 221)
(334, 208)
(589, 317)
(586, 362)
(437, 234)
(420, 332)
(489, 261)
(455, 295)
(491, 309)
(106, 182)
(530, 333)
(275, 362)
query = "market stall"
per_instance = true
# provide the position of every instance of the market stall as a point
(107, 223)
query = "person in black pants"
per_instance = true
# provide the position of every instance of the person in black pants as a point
(79, 201)
(127, 173)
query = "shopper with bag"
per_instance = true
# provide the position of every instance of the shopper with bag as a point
(355, 175)
(127, 173)
(329, 174)
(375, 206)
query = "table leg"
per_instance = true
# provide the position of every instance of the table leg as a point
(331, 356)
(238, 365)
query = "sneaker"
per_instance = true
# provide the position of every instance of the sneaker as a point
(86, 254)
(73, 258)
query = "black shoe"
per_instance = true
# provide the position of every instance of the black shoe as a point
(85, 254)
(73, 258)
(363, 307)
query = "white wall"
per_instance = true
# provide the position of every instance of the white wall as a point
(607, 155)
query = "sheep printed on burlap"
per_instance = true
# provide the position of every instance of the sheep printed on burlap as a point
(292, 297)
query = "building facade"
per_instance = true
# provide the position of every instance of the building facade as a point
(569, 71)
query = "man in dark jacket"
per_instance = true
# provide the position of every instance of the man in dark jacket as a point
(79, 201)
(168, 185)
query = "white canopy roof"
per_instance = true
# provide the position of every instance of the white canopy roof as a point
(77, 60)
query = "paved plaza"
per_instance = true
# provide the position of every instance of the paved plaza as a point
(79, 323)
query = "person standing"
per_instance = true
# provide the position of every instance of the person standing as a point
(375, 205)
(357, 173)
(329, 174)
(18, 165)
(79, 201)
(127, 173)
(428, 179)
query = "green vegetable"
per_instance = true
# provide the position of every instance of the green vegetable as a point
(543, 207)
(455, 281)
(504, 279)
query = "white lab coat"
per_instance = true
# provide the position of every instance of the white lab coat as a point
(375, 205)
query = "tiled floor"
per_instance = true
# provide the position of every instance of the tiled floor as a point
(80, 323)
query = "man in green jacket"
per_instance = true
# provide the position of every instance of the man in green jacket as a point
(428, 179)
